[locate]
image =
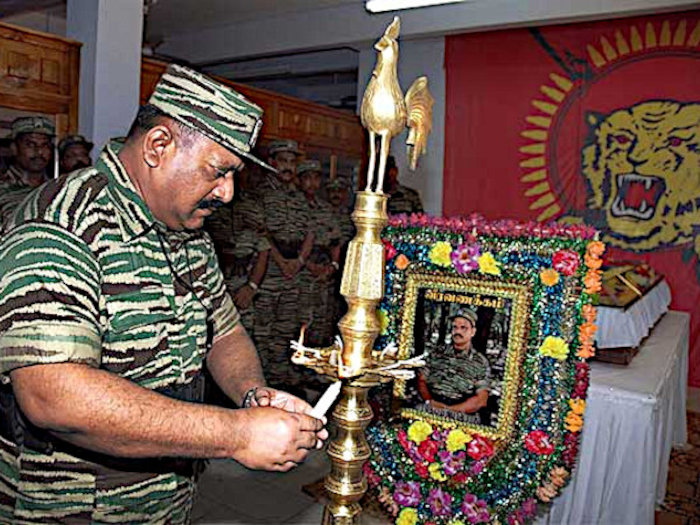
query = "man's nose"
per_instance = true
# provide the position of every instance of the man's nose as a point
(224, 190)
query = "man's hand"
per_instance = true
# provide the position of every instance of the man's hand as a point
(437, 404)
(272, 397)
(277, 439)
(243, 297)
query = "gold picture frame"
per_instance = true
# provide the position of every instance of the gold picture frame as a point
(513, 299)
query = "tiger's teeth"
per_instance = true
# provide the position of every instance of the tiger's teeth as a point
(647, 183)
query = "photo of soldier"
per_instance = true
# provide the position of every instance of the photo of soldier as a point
(467, 348)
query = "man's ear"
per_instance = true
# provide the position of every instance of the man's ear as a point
(156, 143)
(13, 148)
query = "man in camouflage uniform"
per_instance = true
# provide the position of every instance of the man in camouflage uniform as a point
(32, 139)
(286, 225)
(111, 302)
(318, 278)
(456, 379)
(74, 153)
(402, 199)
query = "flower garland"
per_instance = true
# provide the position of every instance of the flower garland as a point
(445, 474)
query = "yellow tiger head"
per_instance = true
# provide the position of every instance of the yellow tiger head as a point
(642, 166)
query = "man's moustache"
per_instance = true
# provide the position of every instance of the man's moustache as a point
(210, 204)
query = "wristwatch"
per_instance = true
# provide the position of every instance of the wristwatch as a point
(248, 397)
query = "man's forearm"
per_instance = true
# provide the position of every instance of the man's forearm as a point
(258, 272)
(307, 245)
(474, 403)
(234, 364)
(101, 411)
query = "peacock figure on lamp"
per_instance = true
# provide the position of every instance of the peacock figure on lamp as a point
(385, 112)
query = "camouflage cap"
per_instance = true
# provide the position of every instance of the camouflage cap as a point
(308, 165)
(36, 124)
(466, 313)
(72, 140)
(211, 108)
(338, 183)
(280, 145)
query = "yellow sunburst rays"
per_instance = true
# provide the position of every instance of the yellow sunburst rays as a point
(544, 201)
(535, 165)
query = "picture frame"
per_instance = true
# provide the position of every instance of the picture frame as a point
(529, 287)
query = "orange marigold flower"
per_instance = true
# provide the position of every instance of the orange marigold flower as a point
(592, 262)
(592, 281)
(573, 422)
(549, 276)
(402, 262)
(589, 312)
(586, 351)
(595, 248)
(578, 406)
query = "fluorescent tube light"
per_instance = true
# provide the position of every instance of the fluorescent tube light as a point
(378, 6)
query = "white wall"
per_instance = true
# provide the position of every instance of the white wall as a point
(110, 64)
(48, 20)
(416, 58)
(351, 23)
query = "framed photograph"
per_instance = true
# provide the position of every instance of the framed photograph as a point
(503, 315)
(473, 334)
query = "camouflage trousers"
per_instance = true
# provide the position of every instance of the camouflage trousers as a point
(233, 284)
(276, 324)
(318, 309)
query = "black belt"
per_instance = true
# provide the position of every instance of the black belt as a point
(15, 428)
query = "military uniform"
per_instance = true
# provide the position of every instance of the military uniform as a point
(317, 293)
(277, 320)
(88, 275)
(13, 185)
(248, 242)
(404, 200)
(453, 376)
(125, 313)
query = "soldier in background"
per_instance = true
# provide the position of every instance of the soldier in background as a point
(74, 153)
(286, 219)
(402, 199)
(318, 278)
(32, 142)
(338, 197)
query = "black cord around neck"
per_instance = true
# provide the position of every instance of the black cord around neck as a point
(190, 288)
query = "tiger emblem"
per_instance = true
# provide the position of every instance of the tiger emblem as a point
(642, 170)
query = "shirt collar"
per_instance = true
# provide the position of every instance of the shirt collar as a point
(16, 176)
(134, 216)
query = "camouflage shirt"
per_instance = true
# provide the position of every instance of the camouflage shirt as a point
(287, 216)
(325, 228)
(453, 376)
(84, 278)
(404, 200)
(12, 192)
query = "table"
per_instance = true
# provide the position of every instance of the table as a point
(634, 415)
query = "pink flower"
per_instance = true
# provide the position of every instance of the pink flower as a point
(464, 258)
(538, 442)
(476, 467)
(479, 448)
(440, 502)
(407, 493)
(565, 262)
(475, 509)
(389, 251)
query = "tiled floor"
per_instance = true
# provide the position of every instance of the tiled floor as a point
(231, 494)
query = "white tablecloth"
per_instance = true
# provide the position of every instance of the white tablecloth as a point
(634, 415)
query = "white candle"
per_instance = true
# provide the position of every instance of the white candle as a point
(326, 400)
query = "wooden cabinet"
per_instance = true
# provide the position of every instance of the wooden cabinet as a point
(39, 73)
(312, 125)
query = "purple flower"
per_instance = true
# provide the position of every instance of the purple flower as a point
(452, 463)
(476, 468)
(475, 509)
(529, 507)
(407, 493)
(464, 258)
(440, 502)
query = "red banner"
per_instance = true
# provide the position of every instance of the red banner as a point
(595, 123)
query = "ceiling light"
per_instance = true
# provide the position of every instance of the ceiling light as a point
(378, 6)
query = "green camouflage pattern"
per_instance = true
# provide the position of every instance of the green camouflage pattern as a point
(13, 191)
(317, 295)
(213, 109)
(404, 200)
(286, 216)
(456, 375)
(84, 279)
(35, 124)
